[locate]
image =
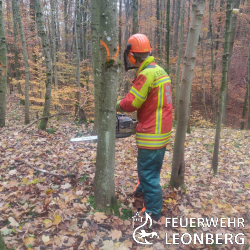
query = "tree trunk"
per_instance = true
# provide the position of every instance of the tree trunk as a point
(41, 32)
(236, 4)
(65, 12)
(211, 2)
(58, 44)
(178, 165)
(53, 36)
(3, 67)
(120, 30)
(203, 78)
(176, 29)
(95, 35)
(25, 58)
(179, 59)
(161, 36)
(167, 36)
(172, 19)
(104, 184)
(135, 17)
(218, 33)
(16, 64)
(242, 124)
(157, 30)
(225, 63)
(248, 81)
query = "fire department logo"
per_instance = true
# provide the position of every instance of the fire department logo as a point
(143, 234)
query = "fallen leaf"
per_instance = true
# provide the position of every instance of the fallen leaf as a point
(45, 238)
(47, 223)
(66, 186)
(28, 240)
(116, 235)
(13, 222)
(99, 216)
(57, 219)
(107, 245)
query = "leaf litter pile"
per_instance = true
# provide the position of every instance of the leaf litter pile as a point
(46, 189)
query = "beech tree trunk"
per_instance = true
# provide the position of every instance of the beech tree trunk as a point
(176, 28)
(236, 4)
(16, 64)
(203, 78)
(225, 64)
(178, 165)
(211, 3)
(95, 35)
(167, 36)
(177, 88)
(41, 32)
(104, 184)
(53, 37)
(25, 58)
(135, 17)
(3, 68)
(248, 81)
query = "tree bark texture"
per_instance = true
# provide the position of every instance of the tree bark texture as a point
(53, 36)
(16, 64)
(41, 32)
(95, 36)
(211, 3)
(104, 184)
(176, 28)
(225, 64)
(242, 124)
(3, 68)
(248, 81)
(236, 4)
(203, 78)
(135, 17)
(161, 32)
(167, 36)
(178, 165)
(25, 58)
(177, 88)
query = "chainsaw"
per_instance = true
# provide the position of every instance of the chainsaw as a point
(125, 127)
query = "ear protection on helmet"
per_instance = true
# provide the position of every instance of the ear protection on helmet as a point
(131, 58)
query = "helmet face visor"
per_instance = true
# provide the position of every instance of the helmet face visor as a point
(127, 63)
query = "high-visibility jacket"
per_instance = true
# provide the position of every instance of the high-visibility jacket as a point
(151, 96)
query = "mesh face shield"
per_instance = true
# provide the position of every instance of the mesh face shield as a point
(127, 64)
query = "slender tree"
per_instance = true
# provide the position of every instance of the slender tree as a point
(15, 4)
(104, 184)
(248, 81)
(225, 64)
(179, 58)
(176, 28)
(203, 78)
(53, 37)
(161, 28)
(95, 35)
(178, 165)
(167, 36)
(235, 4)
(242, 124)
(135, 17)
(211, 4)
(3, 67)
(16, 64)
(46, 51)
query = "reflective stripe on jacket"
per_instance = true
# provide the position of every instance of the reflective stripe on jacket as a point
(151, 96)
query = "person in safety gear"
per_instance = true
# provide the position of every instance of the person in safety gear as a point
(151, 97)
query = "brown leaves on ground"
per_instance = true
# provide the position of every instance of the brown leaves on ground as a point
(55, 211)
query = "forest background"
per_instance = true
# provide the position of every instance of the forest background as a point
(67, 25)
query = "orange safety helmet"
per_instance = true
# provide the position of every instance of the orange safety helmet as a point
(137, 43)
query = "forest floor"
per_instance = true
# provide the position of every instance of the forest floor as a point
(55, 210)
